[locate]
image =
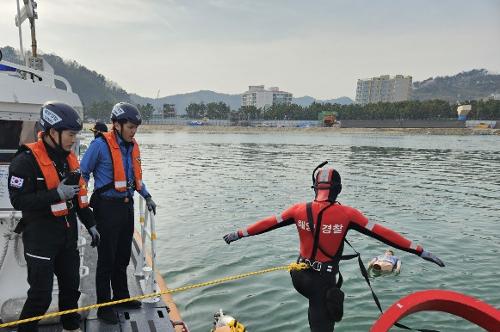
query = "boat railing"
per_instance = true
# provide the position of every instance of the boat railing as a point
(43, 76)
(146, 262)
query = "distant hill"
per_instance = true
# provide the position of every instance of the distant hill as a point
(468, 85)
(307, 100)
(181, 101)
(88, 84)
(10, 54)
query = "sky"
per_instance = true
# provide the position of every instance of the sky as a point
(317, 48)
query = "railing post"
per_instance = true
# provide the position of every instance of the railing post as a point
(141, 258)
(151, 285)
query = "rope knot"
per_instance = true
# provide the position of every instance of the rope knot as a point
(297, 266)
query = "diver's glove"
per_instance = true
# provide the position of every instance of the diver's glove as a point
(428, 256)
(231, 237)
(96, 237)
(151, 204)
(67, 191)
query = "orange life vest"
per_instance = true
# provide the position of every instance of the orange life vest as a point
(119, 176)
(52, 178)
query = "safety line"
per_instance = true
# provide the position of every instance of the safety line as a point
(289, 267)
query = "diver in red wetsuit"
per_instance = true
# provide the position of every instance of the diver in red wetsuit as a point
(322, 250)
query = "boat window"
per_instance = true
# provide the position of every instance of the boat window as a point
(14, 133)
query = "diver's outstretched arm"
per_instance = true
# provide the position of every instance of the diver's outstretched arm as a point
(265, 225)
(360, 223)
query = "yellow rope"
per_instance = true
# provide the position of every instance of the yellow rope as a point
(289, 267)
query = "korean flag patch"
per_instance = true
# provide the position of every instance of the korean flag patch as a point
(16, 182)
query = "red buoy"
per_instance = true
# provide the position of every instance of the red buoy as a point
(469, 308)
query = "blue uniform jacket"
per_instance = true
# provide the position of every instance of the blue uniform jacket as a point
(97, 160)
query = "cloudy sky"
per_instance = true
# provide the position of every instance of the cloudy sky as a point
(317, 48)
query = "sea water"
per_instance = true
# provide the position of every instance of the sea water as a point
(441, 191)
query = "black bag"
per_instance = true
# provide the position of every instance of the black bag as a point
(334, 300)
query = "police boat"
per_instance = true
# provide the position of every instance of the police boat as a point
(25, 86)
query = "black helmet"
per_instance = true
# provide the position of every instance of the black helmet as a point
(123, 112)
(327, 183)
(59, 116)
(100, 127)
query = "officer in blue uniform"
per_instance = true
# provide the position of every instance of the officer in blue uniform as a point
(113, 206)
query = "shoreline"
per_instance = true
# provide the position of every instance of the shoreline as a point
(150, 128)
(280, 130)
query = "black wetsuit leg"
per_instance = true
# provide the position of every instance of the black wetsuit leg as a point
(313, 285)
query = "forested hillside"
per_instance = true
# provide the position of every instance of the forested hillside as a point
(88, 84)
(471, 85)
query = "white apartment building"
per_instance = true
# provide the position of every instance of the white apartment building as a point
(259, 97)
(384, 89)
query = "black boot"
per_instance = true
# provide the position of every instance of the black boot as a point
(107, 315)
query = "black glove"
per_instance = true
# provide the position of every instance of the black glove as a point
(431, 258)
(231, 237)
(96, 237)
(67, 191)
(151, 205)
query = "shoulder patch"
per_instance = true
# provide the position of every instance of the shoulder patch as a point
(16, 182)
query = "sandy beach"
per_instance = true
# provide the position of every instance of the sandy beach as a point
(257, 130)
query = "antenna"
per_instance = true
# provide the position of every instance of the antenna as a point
(18, 24)
(28, 11)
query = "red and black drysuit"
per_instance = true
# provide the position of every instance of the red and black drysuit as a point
(335, 222)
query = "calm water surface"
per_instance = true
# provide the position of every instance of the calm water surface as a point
(441, 191)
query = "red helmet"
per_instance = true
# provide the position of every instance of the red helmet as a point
(327, 183)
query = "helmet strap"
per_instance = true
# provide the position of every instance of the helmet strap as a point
(119, 133)
(57, 146)
(60, 140)
(52, 140)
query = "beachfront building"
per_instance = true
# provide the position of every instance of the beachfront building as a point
(383, 89)
(259, 97)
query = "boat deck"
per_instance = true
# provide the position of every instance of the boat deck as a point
(151, 317)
